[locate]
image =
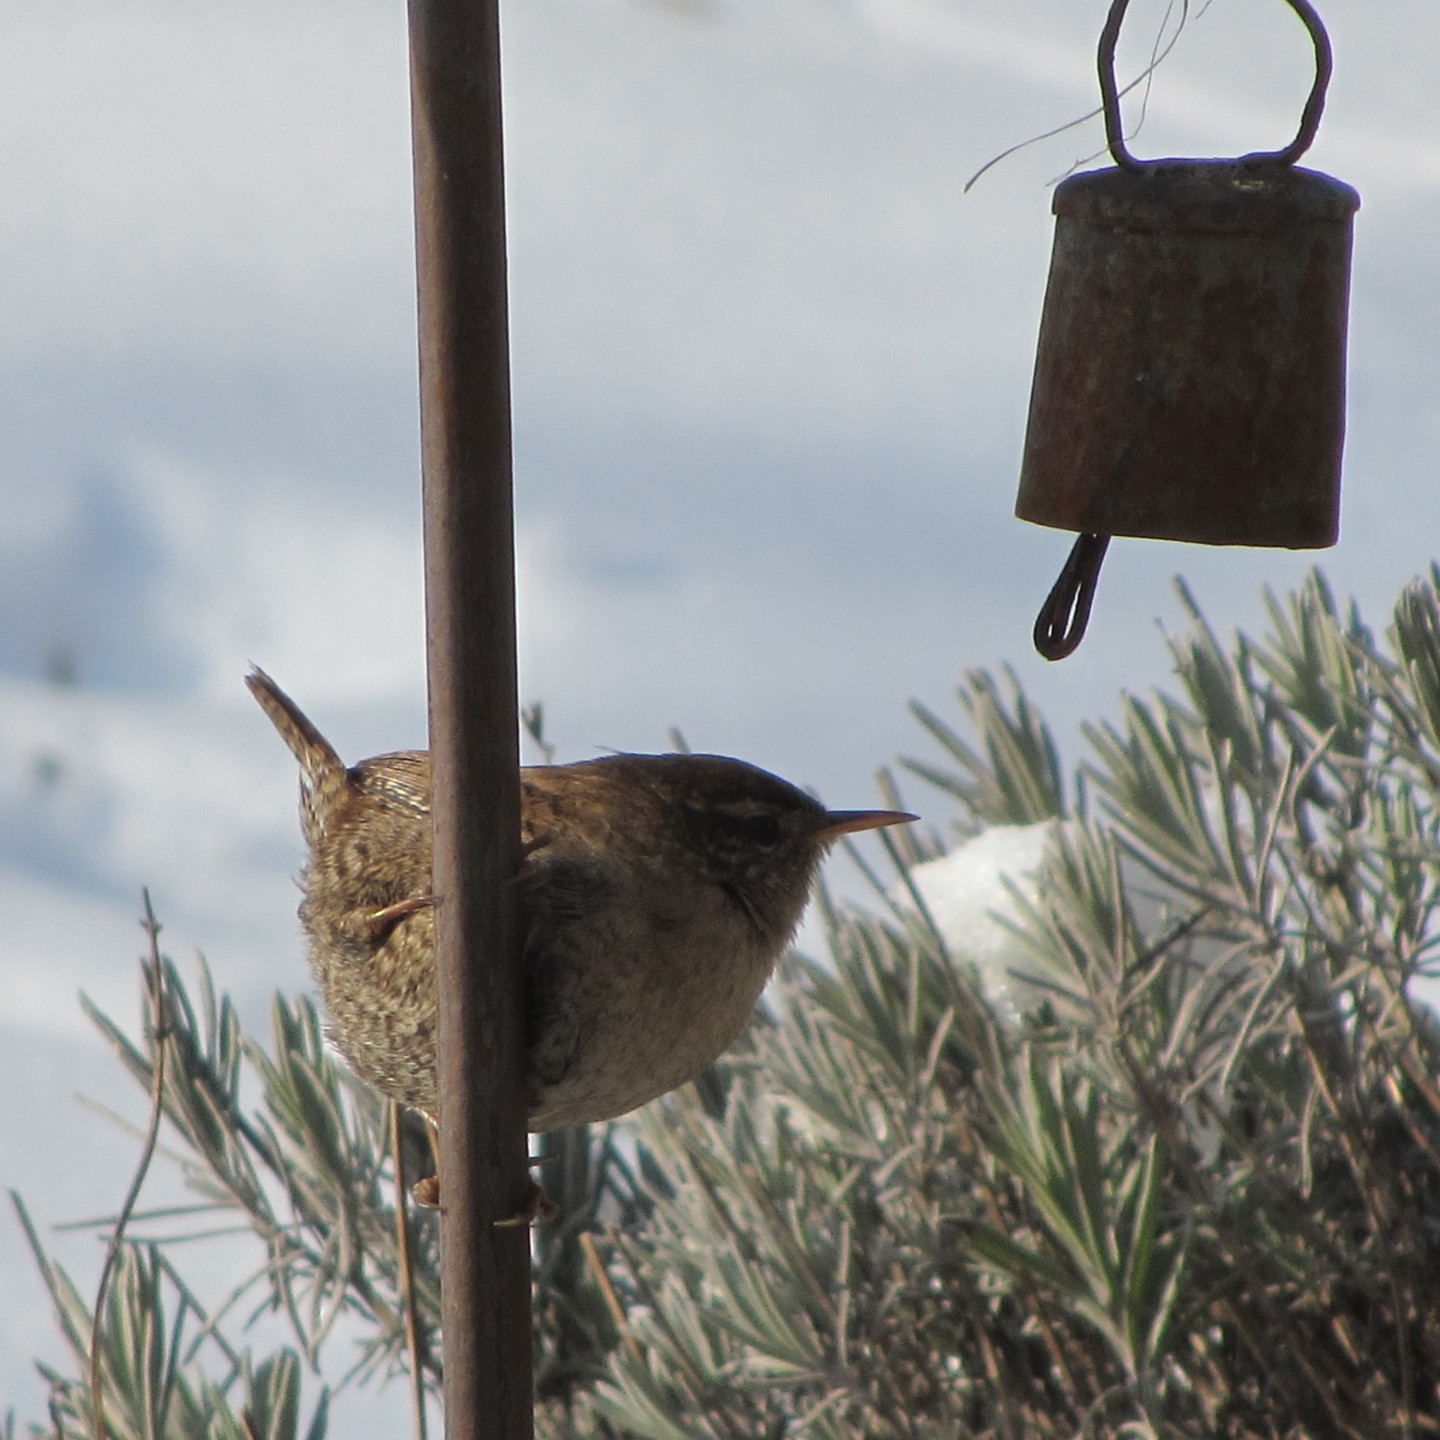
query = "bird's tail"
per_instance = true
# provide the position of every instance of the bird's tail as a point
(323, 776)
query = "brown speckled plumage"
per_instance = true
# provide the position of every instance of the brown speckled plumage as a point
(657, 894)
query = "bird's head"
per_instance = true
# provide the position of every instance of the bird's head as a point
(756, 836)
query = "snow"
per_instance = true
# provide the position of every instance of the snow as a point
(977, 894)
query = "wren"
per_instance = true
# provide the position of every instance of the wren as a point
(656, 895)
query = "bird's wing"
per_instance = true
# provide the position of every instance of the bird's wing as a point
(401, 780)
(563, 902)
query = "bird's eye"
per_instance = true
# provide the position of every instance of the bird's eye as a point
(761, 829)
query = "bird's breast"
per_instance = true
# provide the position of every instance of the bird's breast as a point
(661, 983)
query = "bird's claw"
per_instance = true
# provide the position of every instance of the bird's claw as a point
(378, 922)
(538, 1208)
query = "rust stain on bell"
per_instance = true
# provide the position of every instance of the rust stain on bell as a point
(1190, 375)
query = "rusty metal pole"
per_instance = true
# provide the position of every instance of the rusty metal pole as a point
(474, 740)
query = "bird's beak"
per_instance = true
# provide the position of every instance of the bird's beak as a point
(847, 822)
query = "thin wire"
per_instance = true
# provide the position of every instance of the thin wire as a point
(1309, 116)
(1158, 57)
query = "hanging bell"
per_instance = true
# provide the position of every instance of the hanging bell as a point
(1190, 373)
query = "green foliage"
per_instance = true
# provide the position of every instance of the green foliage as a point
(1195, 1192)
(151, 1384)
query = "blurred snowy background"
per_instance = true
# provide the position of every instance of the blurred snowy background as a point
(771, 369)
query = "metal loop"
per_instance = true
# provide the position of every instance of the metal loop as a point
(1309, 117)
(1063, 617)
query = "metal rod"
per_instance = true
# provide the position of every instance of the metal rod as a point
(1109, 94)
(474, 739)
(1309, 118)
(1060, 626)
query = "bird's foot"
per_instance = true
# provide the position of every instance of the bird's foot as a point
(376, 924)
(538, 1207)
